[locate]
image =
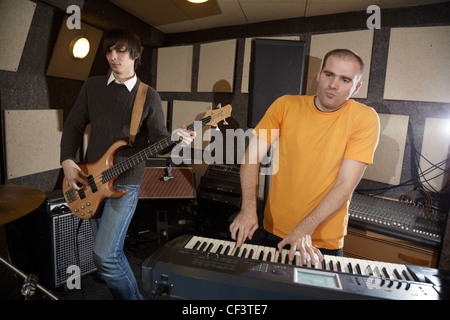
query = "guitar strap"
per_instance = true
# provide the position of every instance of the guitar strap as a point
(138, 108)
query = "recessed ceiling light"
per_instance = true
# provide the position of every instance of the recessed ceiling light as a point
(197, 1)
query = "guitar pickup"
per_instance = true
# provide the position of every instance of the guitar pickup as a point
(82, 194)
(92, 184)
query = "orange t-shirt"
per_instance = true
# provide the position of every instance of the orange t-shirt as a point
(312, 145)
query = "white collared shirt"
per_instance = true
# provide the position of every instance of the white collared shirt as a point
(129, 83)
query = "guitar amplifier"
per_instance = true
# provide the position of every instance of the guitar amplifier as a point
(49, 240)
(164, 180)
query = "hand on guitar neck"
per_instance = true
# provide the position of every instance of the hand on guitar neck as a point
(183, 135)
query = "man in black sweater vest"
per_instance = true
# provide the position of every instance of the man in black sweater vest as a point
(106, 103)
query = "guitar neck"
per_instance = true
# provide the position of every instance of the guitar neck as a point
(146, 153)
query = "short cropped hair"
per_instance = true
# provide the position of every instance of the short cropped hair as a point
(119, 38)
(345, 54)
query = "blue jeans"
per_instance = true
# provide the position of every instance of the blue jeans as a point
(110, 229)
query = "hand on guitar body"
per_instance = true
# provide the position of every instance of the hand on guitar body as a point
(74, 174)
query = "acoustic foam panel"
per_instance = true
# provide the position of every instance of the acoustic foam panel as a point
(174, 73)
(32, 141)
(417, 57)
(216, 67)
(15, 21)
(388, 158)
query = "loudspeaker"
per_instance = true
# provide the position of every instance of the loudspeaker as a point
(71, 244)
(276, 69)
(45, 243)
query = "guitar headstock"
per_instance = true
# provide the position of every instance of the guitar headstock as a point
(218, 115)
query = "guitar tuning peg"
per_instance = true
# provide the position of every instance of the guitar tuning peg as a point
(217, 128)
(225, 123)
(219, 106)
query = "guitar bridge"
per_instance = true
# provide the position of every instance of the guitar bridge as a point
(71, 195)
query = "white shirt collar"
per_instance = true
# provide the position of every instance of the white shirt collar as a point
(129, 83)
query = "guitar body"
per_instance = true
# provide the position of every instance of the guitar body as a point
(86, 203)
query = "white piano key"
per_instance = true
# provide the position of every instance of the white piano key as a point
(192, 242)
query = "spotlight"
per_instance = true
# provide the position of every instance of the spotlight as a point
(79, 47)
(197, 1)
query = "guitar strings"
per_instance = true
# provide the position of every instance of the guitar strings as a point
(126, 164)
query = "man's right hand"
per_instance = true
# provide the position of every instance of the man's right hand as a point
(74, 174)
(244, 226)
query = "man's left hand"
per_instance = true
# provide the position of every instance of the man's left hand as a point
(184, 135)
(303, 245)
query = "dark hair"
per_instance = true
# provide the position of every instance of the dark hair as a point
(344, 53)
(119, 38)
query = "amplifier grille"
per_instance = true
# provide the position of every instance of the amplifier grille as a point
(71, 246)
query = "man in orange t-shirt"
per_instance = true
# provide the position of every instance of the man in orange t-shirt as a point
(324, 144)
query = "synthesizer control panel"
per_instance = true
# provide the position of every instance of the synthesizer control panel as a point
(399, 219)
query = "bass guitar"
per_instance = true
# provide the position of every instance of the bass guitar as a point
(87, 201)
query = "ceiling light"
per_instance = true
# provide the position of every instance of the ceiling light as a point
(197, 1)
(79, 48)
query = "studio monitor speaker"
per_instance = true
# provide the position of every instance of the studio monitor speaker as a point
(276, 69)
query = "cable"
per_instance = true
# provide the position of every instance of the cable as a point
(160, 289)
(77, 254)
(420, 179)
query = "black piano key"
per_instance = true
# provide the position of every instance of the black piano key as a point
(397, 274)
(237, 252)
(269, 256)
(279, 258)
(413, 274)
(386, 274)
(358, 269)
(250, 255)
(406, 275)
(324, 264)
(261, 255)
(227, 249)
(338, 266)
(196, 245)
(244, 252)
(202, 247)
(286, 259)
(219, 249)
(209, 247)
(331, 265)
(350, 268)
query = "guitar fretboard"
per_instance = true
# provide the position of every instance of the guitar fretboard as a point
(147, 153)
